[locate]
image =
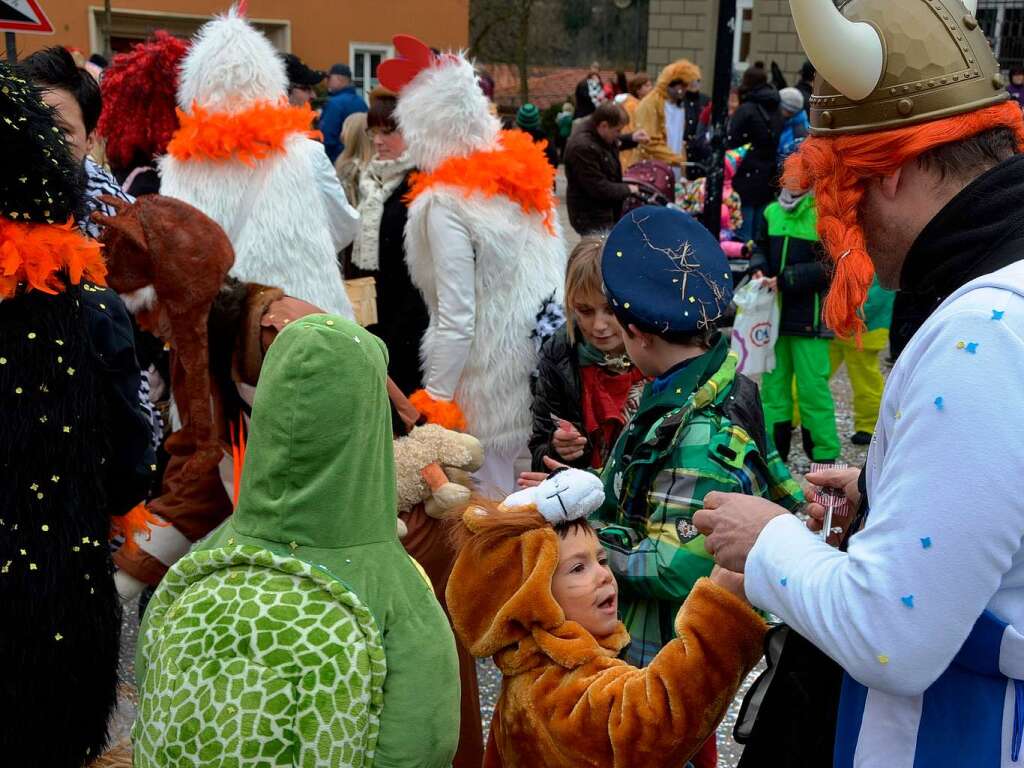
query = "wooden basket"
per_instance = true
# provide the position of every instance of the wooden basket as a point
(362, 292)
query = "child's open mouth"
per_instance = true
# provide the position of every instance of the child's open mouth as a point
(609, 604)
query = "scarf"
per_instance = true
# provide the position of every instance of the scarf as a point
(516, 168)
(607, 382)
(42, 257)
(377, 182)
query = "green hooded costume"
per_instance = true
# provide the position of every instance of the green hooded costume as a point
(301, 633)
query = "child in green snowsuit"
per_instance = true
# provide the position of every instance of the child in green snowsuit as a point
(787, 252)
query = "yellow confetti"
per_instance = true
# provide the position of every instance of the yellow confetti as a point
(55, 478)
(58, 342)
(883, 659)
(67, 430)
(34, 487)
(39, 495)
(293, 545)
(329, 322)
(22, 551)
(71, 371)
(85, 539)
(3, 361)
(18, 390)
(32, 567)
(960, 345)
(45, 527)
(58, 637)
(626, 305)
(42, 419)
(103, 306)
(31, 334)
(692, 300)
(76, 548)
(60, 359)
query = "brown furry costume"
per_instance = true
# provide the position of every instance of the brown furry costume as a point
(566, 699)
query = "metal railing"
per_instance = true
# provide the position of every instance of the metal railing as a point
(1003, 22)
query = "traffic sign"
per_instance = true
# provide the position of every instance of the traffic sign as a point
(24, 16)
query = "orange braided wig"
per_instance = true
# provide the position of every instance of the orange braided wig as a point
(837, 170)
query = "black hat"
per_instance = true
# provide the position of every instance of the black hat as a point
(341, 69)
(39, 179)
(665, 273)
(299, 73)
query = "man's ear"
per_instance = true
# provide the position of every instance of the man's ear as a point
(889, 185)
(645, 338)
(90, 142)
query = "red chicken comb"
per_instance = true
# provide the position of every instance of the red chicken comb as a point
(243, 8)
(413, 57)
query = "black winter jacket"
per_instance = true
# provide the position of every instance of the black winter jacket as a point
(595, 189)
(401, 314)
(799, 264)
(757, 122)
(558, 390)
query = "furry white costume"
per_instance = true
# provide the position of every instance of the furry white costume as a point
(483, 245)
(281, 205)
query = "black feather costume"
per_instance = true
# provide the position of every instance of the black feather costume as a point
(59, 612)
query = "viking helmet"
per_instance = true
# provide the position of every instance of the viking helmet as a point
(885, 64)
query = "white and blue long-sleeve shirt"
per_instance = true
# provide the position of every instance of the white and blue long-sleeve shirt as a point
(941, 549)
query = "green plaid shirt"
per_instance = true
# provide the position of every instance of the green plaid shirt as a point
(679, 447)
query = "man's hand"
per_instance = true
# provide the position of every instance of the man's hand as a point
(732, 522)
(844, 479)
(567, 441)
(531, 479)
(640, 136)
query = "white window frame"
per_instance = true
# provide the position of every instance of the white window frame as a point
(386, 51)
(737, 32)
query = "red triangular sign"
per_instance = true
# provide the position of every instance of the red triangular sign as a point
(24, 16)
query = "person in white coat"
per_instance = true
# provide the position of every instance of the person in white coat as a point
(915, 159)
(483, 246)
(248, 160)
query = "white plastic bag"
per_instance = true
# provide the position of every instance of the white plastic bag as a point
(756, 328)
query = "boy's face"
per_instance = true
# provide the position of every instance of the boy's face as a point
(583, 584)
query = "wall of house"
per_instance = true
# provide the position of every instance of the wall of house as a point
(319, 31)
(775, 39)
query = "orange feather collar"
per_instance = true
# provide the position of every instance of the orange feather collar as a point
(249, 135)
(517, 170)
(37, 255)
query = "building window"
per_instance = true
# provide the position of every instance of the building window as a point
(741, 34)
(365, 58)
(1003, 22)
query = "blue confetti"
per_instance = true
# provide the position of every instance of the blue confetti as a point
(926, 542)
(939, 402)
(972, 347)
(783, 581)
(907, 600)
(997, 314)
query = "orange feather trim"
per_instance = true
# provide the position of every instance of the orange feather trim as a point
(250, 135)
(440, 412)
(136, 520)
(37, 255)
(517, 170)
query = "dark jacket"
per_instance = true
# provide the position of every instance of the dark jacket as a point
(558, 390)
(550, 150)
(595, 189)
(980, 231)
(756, 122)
(401, 314)
(338, 107)
(807, 89)
(696, 147)
(787, 247)
(584, 104)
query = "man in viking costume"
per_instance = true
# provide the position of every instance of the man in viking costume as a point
(915, 163)
(483, 246)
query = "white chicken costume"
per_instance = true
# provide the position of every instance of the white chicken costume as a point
(484, 247)
(248, 161)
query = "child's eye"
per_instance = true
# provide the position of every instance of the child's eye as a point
(585, 311)
(578, 568)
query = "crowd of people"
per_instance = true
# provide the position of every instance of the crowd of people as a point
(330, 503)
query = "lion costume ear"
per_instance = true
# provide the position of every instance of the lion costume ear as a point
(123, 223)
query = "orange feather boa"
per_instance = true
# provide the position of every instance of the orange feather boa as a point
(250, 135)
(443, 413)
(137, 520)
(517, 170)
(37, 255)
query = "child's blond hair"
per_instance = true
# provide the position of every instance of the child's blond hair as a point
(583, 277)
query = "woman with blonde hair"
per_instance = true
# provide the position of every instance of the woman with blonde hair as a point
(584, 378)
(357, 153)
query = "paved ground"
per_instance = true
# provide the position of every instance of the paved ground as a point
(729, 751)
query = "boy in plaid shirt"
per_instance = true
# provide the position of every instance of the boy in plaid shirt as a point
(699, 427)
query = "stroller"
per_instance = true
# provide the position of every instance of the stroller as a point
(656, 182)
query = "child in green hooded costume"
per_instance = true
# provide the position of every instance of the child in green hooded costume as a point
(301, 633)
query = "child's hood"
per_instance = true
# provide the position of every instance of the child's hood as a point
(499, 594)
